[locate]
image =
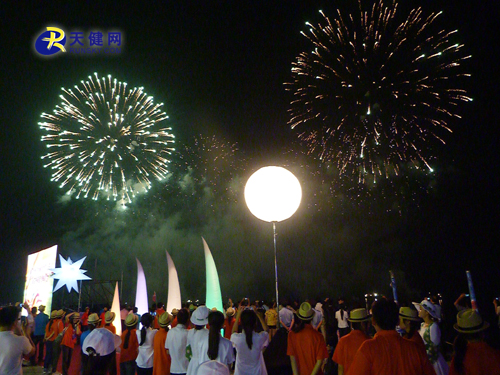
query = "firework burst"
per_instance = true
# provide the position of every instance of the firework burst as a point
(374, 92)
(210, 165)
(108, 140)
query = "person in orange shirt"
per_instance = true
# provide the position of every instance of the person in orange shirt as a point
(161, 359)
(387, 352)
(129, 347)
(174, 321)
(108, 318)
(350, 343)
(306, 346)
(473, 356)
(71, 332)
(158, 312)
(52, 330)
(410, 323)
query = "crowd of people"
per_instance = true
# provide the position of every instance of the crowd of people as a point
(250, 339)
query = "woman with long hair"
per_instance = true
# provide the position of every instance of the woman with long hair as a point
(146, 350)
(249, 344)
(342, 323)
(216, 348)
(472, 355)
(130, 346)
(431, 334)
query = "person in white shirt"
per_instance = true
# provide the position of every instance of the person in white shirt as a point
(249, 344)
(199, 334)
(14, 343)
(146, 349)
(176, 344)
(215, 347)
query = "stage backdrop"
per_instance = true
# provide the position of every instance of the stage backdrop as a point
(39, 283)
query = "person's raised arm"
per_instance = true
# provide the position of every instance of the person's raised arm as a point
(237, 319)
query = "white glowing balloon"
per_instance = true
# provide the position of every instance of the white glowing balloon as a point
(69, 274)
(174, 290)
(273, 194)
(115, 307)
(141, 294)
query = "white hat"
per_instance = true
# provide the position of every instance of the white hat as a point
(200, 316)
(103, 341)
(212, 368)
(428, 306)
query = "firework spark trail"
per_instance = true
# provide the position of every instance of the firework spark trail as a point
(109, 140)
(374, 92)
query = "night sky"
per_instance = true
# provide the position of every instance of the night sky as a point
(220, 67)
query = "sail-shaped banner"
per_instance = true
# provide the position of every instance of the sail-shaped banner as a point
(141, 294)
(174, 290)
(115, 307)
(214, 295)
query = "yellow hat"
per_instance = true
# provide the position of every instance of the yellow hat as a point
(165, 319)
(409, 314)
(109, 316)
(469, 321)
(93, 319)
(131, 320)
(305, 311)
(53, 314)
(358, 315)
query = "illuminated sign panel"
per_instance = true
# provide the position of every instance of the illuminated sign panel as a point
(39, 283)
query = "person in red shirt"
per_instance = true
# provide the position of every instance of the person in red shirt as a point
(161, 358)
(129, 348)
(71, 332)
(103, 317)
(306, 346)
(409, 322)
(473, 356)
(229, 323)
(387, 352)
(108, 318)
(84, 319)
(350, 343)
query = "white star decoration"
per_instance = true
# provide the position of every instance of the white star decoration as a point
(69, 274)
